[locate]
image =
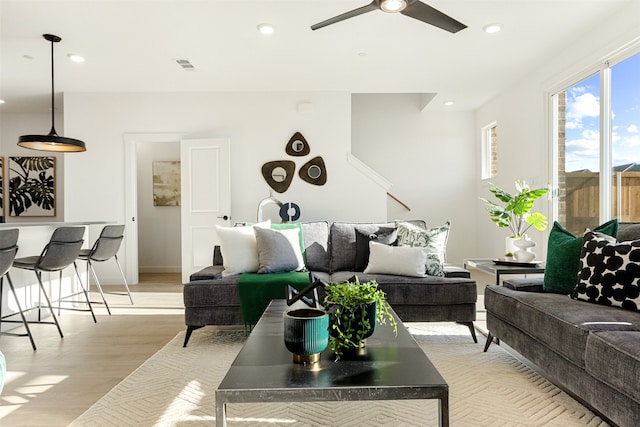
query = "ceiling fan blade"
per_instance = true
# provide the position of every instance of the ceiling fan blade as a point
(347, 15)
(425, 13)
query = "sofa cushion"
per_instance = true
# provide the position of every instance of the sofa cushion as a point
(428, 290)
(563, 257)
(385, 236)
(315, 235)
(398, 260)
(207, 273)
(212, 293)
(609, 271)
(278, 250)
(557, 321)
(628, 231)
(613, 357)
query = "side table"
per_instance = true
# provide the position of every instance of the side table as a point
(488, 266)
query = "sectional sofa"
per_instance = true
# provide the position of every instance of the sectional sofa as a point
(590, 350)
(332, 252)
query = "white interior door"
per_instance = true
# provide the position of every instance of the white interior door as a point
(206, 199)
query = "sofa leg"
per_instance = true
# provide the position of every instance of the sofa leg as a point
(488, 343)
(190, 329)
(471, 329)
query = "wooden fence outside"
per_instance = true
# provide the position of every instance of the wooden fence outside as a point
(582, 199)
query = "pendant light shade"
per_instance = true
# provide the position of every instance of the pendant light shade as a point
(52, 141)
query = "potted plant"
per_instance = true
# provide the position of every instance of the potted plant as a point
(516, 213)
(354, 310)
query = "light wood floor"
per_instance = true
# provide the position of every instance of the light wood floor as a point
(64, 377)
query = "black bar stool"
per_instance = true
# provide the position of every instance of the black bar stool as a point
(105, 248)
(8, 250)
(61, 251)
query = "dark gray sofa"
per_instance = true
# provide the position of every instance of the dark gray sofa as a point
(589, 350)
(330, 252)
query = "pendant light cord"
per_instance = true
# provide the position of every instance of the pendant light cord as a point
(53, 127)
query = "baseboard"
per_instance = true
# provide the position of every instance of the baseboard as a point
(165, 269)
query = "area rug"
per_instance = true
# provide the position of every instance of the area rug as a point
(176, 387)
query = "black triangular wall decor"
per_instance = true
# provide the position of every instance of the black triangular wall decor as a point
(314, 171)
(282, 183)
(298, 146)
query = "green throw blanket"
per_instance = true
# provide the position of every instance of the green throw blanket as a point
(257, 290)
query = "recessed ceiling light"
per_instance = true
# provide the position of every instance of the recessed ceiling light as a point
(448, 103)
(266, 28)
(1, 101)
(75, 57)
(492, 28)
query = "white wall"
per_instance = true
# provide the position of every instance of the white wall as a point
(258, 125)
(157, 252)
(522, 114)
(429, 157)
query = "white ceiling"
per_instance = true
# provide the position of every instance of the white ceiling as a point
(131, 46)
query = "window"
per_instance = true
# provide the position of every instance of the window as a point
(489, 151)
(597, 147)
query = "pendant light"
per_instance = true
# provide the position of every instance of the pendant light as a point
(52, 141)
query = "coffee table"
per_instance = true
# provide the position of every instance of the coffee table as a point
(489, 266)
(393, 368)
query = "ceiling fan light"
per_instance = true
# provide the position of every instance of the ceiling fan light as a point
(393, 6)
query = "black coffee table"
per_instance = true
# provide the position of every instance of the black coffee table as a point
(393, 368)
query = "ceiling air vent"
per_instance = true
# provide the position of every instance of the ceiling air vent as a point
(185, 64)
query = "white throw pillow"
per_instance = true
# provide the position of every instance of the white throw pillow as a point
(398, 260)
(239, 248)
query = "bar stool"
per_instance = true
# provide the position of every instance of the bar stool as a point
(105, 248)
(61, 251)
(8, 250)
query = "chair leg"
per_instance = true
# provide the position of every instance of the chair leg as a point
(24, 320)
(95, 277)
(84, 291)
(46, 297)
(126, 285)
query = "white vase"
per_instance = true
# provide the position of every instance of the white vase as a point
(524, 252)
(509, 247)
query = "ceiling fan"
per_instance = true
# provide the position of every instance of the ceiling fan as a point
(412, 8)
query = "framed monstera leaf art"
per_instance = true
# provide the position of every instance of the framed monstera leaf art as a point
(32, 186)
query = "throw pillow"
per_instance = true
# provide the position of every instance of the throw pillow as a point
(609, 272)
(384, 235)
(290, 225)
(434, 239)
(278, 250)
(563, 257)
(397, 260)
(239, 248)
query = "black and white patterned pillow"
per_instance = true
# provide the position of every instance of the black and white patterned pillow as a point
(609, 272)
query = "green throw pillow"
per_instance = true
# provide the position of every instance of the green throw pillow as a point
(563, 257)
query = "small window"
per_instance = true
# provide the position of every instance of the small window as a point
(489, 151)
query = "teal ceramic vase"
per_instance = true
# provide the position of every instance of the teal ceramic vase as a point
(306, 334)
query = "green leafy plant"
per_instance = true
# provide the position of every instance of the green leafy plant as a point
(516, 213)
(350, 324)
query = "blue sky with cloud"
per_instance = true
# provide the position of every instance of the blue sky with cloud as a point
(583, 118)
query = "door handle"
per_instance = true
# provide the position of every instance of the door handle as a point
(225, 217)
